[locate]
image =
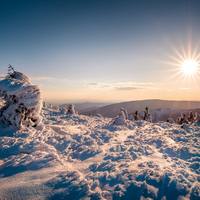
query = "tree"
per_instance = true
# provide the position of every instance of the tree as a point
(23, 101)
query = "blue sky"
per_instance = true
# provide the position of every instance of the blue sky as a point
(101, 50)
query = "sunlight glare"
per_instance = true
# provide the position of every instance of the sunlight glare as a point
(189, 67)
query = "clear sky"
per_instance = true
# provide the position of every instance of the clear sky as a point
(103, 50)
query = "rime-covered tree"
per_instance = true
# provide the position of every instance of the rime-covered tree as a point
(64, 111)
(23, 101)
(71, 109)
(57, 108)
(44, 105)
(50, 106)
(121, 117)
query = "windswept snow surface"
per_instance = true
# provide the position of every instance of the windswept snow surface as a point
(80, 157)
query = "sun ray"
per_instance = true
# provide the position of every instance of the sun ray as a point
(195, 51)
(197, 57)
(189, 49)
(174, 58)
(178, 53)
(184, 52)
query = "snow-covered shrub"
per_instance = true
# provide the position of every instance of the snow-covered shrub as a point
(125, 112)
(57, 108)
(64, 111)
(44, 105)
(120, 119)
(197, 117)
(147, 115)
(98, 115)
(23, 101)
(182, 119)
(170, 120)
(136, 117)
(71, 109)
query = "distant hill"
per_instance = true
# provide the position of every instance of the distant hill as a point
(131, 106)
(85, 107)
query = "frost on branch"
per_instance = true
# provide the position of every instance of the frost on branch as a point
(23, 101)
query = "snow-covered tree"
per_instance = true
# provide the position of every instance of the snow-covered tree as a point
(57, 108)
(147, 115)
(71, 109)
(125, 112)
(64, 111)
(50, 106)
(191, 117)
(121, 118)
(197, 117)
(44, 105)
(170, 120)
(23, 101)
(136, 117)
(182, 119)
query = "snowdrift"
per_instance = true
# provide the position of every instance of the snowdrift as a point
(23, 101)
(80, 157)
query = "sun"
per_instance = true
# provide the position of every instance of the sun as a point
(189, 67)
(184, 63)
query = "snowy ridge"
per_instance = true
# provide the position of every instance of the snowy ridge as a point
(78, 157)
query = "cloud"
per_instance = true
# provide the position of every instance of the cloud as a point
(42, 78)
(100, 85)
(133, 86)
(128, 88)
(131, 83)
(92, 84)
(105, 86)
(121, 86)
(2, 76)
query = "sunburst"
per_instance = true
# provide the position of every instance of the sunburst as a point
(189, 67)
(185, 63)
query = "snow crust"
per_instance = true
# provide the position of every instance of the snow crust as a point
(80, 157)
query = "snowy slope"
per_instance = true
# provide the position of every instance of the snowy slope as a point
(80, 157)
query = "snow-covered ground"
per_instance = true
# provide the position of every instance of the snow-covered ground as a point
(81, 157)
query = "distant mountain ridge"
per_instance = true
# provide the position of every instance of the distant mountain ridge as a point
(153, 104)
(85, 106)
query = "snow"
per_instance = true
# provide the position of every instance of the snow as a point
(72, 156)
(23, 101)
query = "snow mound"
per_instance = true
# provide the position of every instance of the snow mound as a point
(23, 101)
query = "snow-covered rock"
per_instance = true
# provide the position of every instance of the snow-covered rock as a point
(23, 101)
